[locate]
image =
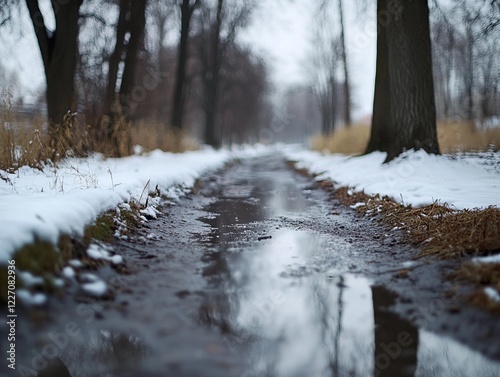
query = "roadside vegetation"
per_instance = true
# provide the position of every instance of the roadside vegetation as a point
(439, 232)
(453, 136)
(46, 260)
(26, 142)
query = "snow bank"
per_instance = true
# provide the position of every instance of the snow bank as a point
(45, 204)
(417, 178)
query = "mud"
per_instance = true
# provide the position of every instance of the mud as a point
(257, 273)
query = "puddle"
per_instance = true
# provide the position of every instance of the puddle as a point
(323, 324)
(283, 306)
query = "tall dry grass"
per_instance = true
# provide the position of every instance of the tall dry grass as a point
(21, 142)
(28, 143)
(452, 137)
(151, 135)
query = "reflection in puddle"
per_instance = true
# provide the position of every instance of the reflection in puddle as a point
(323, 324)
(105, 353)
(282, 305)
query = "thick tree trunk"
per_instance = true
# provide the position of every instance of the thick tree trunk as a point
(404, 77)
(59, 55)
(180, 85)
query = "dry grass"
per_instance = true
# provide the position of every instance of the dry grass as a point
(452, 136)
(351, 141)
(441, 232)
(21, 143)
(437, 229)
(155, 135)
(28, 143)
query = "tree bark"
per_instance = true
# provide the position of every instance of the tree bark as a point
(380, 138)
(404, 113)
(187, 10)
(59, 55)
(212, 73)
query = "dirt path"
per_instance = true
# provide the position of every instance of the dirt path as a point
(256, 273)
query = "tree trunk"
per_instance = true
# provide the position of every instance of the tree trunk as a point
(180, 85)
(59, 56)
(404, 113)
(381, 118)
(212, 133)
(137, 24)
(347, 84)
(116, 56)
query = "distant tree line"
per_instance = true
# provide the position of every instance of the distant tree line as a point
(111, 61)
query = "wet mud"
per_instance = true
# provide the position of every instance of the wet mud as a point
(258, 273)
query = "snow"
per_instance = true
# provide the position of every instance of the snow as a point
(68, 272)
(416, 178)
(96, 288)
(29, 279)
(492, 294)
(43, 205)
(488, 259)
(31, 299)
(99, 252)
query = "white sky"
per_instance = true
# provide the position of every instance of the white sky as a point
(281, 31)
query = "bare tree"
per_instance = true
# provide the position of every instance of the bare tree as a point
(466, 64)
(58, 50)
(325, 65)
(219, 24)
(347, 84)
(243, 101)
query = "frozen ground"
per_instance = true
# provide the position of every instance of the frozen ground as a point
(45, 204)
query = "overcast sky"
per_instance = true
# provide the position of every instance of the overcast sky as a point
(281, 31)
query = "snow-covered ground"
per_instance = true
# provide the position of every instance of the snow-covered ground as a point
(44, 204)
(417, 178)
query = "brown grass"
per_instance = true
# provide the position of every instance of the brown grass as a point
(21, 143)
(441, 232)
(155, 135)
(452, 136)
(28, 143)
(437, 229)
(351, 141)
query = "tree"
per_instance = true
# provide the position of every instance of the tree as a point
(324, 67)
(59, 50)
(120, 106)
(404, 114)
(219, 25)
(187, 8)
(347, 84)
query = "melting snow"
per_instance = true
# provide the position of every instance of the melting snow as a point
(417, 178)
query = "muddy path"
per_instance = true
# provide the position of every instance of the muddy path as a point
(257, 273)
